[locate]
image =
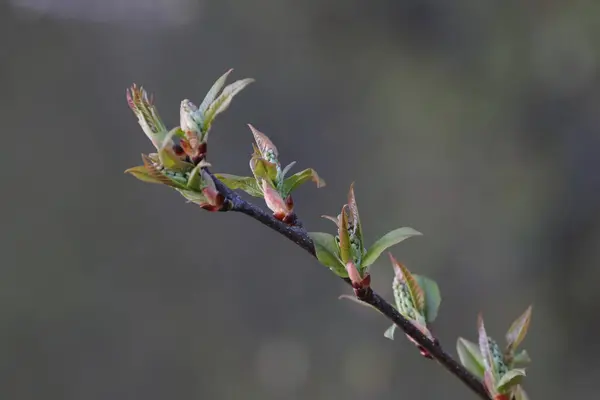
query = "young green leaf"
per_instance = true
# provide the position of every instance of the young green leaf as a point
(470, 357)
(391, 238)
(193, 196)
(299, 178)
(172, 162)
(327, 252)
(263, 169)
(287, 169)
(389, 332)
(246, 183)
(344, 236)
(433, 298)
(142, 174)
(195, 181)
(510, 379)
(222, 102)
(518, 330)
(214, 90)
(144, 109)
(521, 358)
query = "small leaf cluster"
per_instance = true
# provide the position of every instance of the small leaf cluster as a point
(179, 160)
(345, 253)
(501, 371)
(269, 179)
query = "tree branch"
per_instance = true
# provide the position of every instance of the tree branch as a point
(298, 235)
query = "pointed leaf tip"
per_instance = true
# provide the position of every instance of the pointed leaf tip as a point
(416, 292)
(518, 329)
(264, 144)
(389, 332)
(388, 240)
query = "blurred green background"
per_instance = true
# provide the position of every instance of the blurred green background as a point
(473, 121)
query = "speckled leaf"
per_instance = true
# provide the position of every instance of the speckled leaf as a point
(470, 357)
(327, 252)
(391, 238)
(246, 183)
(264, 144)
(432, 295)
(415, 291)
(354, 217)
(518, 330)
(510, 379)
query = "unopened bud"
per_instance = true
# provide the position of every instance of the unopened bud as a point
(274, 201)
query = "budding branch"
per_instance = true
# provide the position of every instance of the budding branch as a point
(297, 234)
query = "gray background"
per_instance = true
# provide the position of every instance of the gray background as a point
(475, 122)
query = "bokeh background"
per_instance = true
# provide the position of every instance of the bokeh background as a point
(474, 121)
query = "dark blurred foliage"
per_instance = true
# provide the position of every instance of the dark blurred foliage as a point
(473, 121)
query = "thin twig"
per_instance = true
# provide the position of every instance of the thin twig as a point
(298, 235)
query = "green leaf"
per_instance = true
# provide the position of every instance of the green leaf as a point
(299, 178)
(195, 182)
(222, 102)
(510, 379)
(172, 162)
(263, 169)
(142, 174)
(214, 90)
(470, 357)
(389, 332)
(246, 183)
(518, 330)
(391, 238)
(433, 298)
(521, 358)
(327, 252)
